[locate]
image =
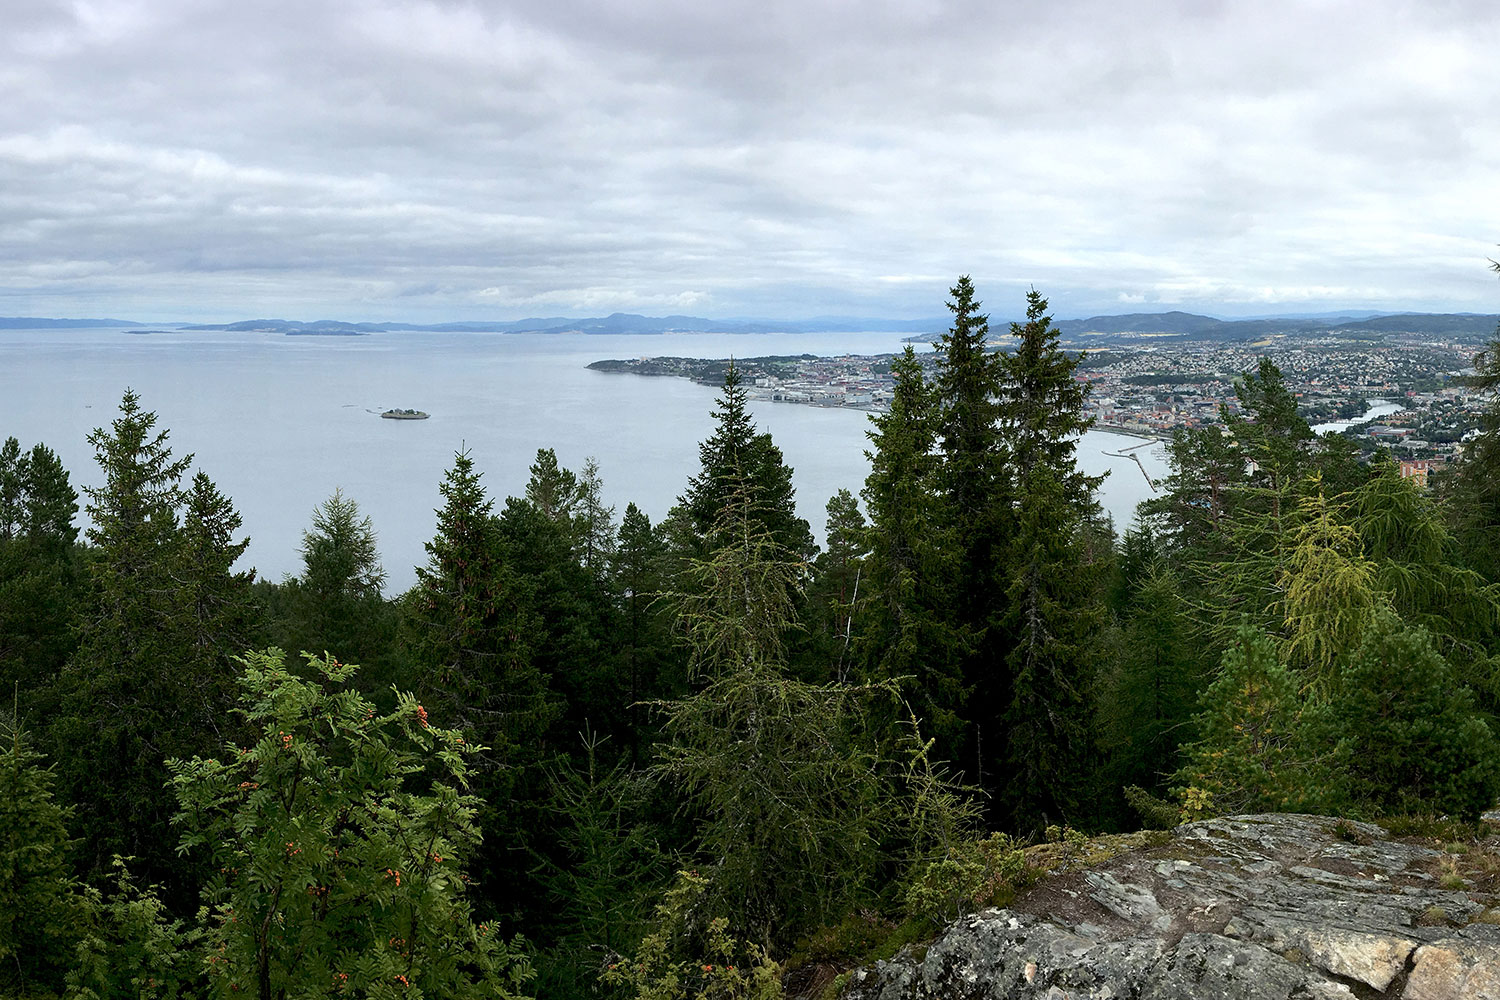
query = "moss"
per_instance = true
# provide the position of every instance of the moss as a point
(1433, 916)
(913, 930)
(835, 987)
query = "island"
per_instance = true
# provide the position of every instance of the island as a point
(400, 414)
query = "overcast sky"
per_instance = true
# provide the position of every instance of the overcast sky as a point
(204, 159)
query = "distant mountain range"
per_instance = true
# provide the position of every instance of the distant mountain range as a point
(1170, 324)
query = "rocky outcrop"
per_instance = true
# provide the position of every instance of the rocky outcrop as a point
(1258, 907)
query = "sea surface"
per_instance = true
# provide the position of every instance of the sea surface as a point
(279, 422)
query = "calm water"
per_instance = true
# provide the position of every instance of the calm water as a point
(279, 422)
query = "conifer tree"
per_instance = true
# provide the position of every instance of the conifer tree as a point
(553, 490)
(834, 597)
(41, 571)
(125, 694)
(975, 493)
(41, 907)
(650, 663)
(737, 457)
(217, 614)
(910, 632)
(971, 476)
(470, 628)
(12, 488)
(336, 603)
(774, 771)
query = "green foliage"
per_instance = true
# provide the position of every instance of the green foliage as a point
(469, 626)
(608, 869)
(1328, 590)
(971, 875)
(1407, 734)
(1155, 813)
(835, 602)
(339, 559)
(132, 948)
(910, 634)
(777, 773)
(738, 461)
(1148, 691)
(147, 679)
(721, 966)
(339, 839)
(40, 904)
(1249, 755)
(785, 792)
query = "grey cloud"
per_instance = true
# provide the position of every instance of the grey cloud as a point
(752, 158)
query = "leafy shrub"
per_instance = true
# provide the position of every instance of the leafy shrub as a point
(723, 967)
(339, 840)
(970, 875)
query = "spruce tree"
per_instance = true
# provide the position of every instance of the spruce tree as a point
(127, 698)
(910, 633)
(835, 601)
(976, 517)
(41, 569)
(737, 457)
(470, 630)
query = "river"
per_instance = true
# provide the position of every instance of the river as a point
(279, 422)
(1374, 409)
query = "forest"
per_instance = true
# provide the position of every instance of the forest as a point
(591, 756)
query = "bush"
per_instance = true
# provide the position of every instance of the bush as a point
(1408, 737)
(339, 840)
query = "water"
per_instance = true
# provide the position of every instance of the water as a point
(279, 422)
(1374, 408)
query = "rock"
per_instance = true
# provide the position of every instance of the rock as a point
(1276, 907)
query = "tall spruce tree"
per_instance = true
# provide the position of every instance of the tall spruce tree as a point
(734, 458)
(470, 628)
(910, 632)
(976, 516)
(835, 600)
(41, 570)
(128, 695)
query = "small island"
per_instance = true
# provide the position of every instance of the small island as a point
(400, 414)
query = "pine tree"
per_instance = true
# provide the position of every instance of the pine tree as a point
(834, 598)
(553, 490)
(125, 694)
(12, 488)
(41, 907)
(41, 569)
(773, 770)
(649, 660)
(596, 529)
(336, 603)
(910, 632)
(469, 626)
(1055, 617)
(49, 502)
(737, 457)
(976, 517)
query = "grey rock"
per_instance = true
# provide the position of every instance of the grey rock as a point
(1274, 907)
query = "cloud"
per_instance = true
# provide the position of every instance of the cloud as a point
(431, 160)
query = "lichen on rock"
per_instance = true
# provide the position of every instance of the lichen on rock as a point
(1263, 907)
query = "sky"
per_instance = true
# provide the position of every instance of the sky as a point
(214, 160)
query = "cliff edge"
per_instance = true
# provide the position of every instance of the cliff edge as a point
(1287, 907)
